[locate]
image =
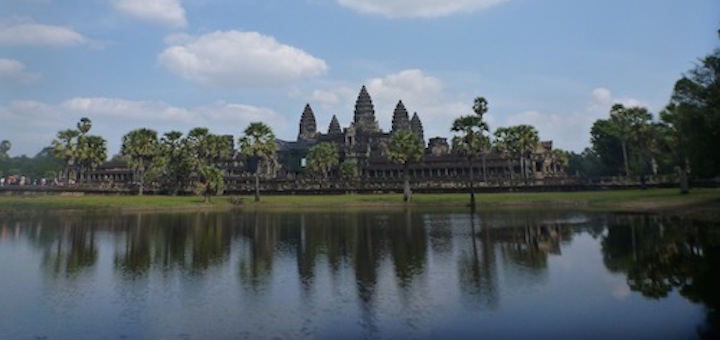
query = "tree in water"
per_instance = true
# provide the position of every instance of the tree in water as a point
(405, 147)
(258, 142)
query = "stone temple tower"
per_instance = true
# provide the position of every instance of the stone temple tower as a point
(416, 127)
(400, 120)
(308, 126)
(334, 128)
(364, 119)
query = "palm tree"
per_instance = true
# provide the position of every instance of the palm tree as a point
(84, 125)
(560, 160)
(527, 142)
(405, 147)
(632, 125)
(65, 148)
(91, 152)
(480, 107)
(211, 182)
(258, 143)
(178, 160)
(470, 143)
(140, 146)
(322, 157)
(506, 141)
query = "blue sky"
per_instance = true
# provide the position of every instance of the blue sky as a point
(177, 64)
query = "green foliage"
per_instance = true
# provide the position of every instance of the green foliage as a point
(64, 148)
(211, 182)
(322, 158)
(518, 142)
(629, 141)
(140, 147)
(258, 142)
(348, 170)
(586, 164)
(471, 140)
(405, 147)
(693, 118)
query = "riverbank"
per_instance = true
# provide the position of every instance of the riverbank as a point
(703, 202)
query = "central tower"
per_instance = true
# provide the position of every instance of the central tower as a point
(364, 119)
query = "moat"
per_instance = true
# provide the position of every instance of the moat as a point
(358, 274)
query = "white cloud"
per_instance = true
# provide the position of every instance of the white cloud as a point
(238, 59)
(165, 12)
(15, 71)
(25, 32)
(32, 125)
(417, 8)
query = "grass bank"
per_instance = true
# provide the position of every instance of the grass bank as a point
(652, 200)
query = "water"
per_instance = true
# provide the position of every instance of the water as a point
(386, 274)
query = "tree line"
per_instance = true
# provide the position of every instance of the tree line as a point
(683, 139)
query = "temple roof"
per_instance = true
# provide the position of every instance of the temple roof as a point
(308, 126)
(364, 118)
(400, 120)
(334, 128)
(417, 127)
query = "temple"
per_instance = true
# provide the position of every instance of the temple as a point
(363, 144)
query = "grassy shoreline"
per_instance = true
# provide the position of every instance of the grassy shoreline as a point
(700, 201)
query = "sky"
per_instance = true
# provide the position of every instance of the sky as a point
(558, 65)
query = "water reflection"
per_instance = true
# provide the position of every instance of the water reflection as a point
(371, 274)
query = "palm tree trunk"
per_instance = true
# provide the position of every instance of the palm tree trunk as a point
(625, 159)
(684, 185)
(141, 181)
(484, 169)
(257, 185)
(407, 194)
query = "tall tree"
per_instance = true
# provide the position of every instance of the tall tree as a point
(140, 146)
(560, 161)
(321, 158)
(480, 107)
(507, 143)
(91, 152)
(258, 143)
(405, 147)
(65, 148)
(211, 182)
(470, 143)
(178, 161)
(527, 139)
(695, 116)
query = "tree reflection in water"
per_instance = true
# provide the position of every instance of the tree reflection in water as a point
(660, 255)
(364, 253)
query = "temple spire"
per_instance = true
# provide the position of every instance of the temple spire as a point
(334, 128)
(308, 126)
(400, 120)
(416, 127)
(364, 118)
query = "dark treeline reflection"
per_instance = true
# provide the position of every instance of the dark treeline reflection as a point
(658, 255)
(662, 255)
